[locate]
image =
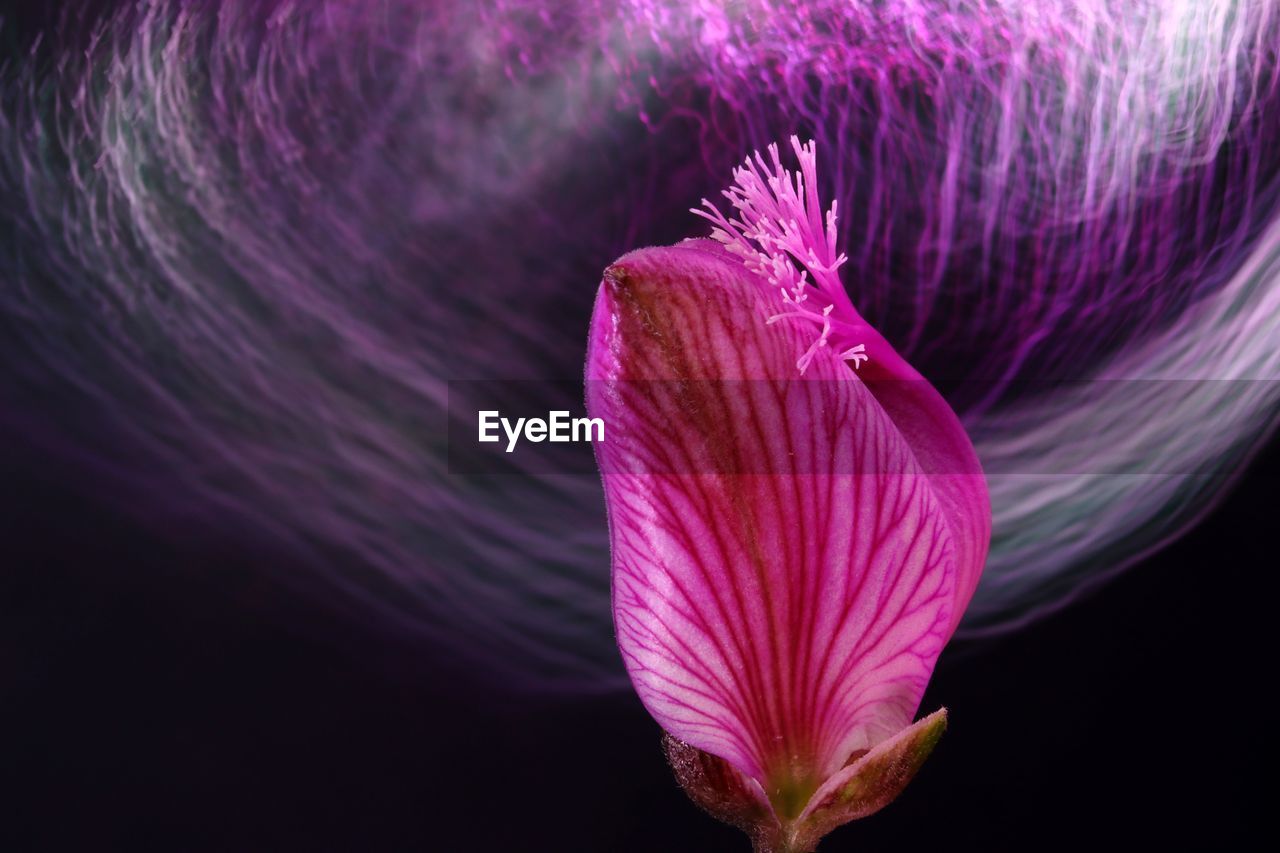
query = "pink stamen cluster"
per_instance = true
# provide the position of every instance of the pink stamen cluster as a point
(782, 234)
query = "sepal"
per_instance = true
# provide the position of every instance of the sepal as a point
(865, 785)
(870, 782)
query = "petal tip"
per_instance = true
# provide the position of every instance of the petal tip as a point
(617, 277)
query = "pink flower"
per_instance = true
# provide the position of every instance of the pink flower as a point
(797, 518)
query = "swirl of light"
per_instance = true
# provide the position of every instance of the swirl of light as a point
(249, 244)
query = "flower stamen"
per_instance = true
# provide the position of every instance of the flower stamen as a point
(781, 235)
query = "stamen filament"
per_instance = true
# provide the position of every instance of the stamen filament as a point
(781, 233)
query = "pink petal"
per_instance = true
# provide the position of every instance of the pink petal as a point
(785, 573)
(938, 442)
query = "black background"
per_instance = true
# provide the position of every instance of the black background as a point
(159, 692)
